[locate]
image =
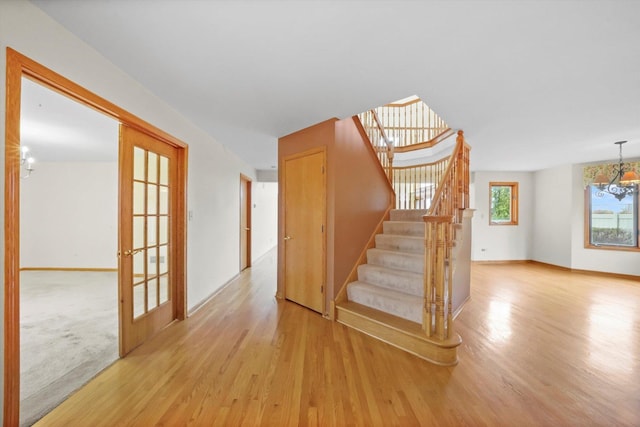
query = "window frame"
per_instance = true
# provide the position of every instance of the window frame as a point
(513, 206)
(587, 226)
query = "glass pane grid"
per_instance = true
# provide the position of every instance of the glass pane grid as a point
(151, 231)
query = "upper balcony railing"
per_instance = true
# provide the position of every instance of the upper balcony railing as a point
(408, 124)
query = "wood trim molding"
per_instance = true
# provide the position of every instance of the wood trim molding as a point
(68, 269)
(247, 182)
(405, 104)
(18, 66)
(11, 409)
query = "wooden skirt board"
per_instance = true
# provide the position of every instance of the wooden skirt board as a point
(304, 227)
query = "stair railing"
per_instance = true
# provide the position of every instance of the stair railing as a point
(411, 123)
(415, 186)
(378, 138)
(447, 206)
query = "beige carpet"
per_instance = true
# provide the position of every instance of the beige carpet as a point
(68, 333)
(392, 280)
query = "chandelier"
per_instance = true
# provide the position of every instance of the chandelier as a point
(623, 182)
(26, 162)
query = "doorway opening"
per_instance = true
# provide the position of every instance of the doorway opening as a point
(18, 68)
(68, 242)
(245, 222)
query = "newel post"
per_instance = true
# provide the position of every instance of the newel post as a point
(437, 312)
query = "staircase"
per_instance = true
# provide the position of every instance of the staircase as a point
(392, 280)
(402, 290)
(387, 301)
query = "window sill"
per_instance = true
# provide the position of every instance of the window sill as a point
(612, 248)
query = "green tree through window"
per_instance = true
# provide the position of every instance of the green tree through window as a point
(504, 203)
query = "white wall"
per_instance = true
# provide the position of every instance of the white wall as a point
(502, 242)
(264, 218)
(69, 216)
(213, 192)
(552, 228)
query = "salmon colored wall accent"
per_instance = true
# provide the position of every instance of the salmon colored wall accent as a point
(358, 195)
(321, 134)
(362, 196)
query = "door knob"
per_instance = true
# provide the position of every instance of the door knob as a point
(287, 237)
(247, 228)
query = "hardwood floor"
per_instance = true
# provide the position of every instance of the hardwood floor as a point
(541, 347)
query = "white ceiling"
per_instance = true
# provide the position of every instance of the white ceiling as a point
(534, 84)
(56, 128)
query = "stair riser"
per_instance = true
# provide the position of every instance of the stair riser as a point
(400, 243)
(404, 228)
(407, 307)
(396, 260)
(410, 283)
(407, 214)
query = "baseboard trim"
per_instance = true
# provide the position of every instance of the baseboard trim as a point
(560, 267)
(505, 261)
(264, 255)
(202, 303)
(68, 269)
(459, 310)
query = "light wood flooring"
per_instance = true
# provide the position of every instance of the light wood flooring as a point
(541, 347)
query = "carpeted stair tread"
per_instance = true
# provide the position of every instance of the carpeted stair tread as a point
(389, 301)
(397, 280)
(411, 244)
(404, 228)
(396, 259)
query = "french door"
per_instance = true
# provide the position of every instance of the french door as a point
(147, 279)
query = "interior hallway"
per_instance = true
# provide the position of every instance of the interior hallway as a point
(541, 346)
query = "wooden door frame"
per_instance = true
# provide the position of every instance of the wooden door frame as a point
(19, 66)
(246, 181)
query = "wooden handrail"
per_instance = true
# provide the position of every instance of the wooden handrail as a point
(435, 202)
(382, 131)
(450, 199)
(442, 136)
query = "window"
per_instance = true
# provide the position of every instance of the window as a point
(611, 223)
(503, 203)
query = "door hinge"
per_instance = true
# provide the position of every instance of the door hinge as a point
(322, 228)
(322, 169)
(321, 289)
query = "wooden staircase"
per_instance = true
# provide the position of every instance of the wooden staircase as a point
(387, 300)
(403, 291)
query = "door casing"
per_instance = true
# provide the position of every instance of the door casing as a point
(19, 66)
(245, 222)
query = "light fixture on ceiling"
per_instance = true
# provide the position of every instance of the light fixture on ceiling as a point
(26, 162)
(624, 180)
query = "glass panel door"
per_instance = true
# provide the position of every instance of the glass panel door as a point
(146, 275)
